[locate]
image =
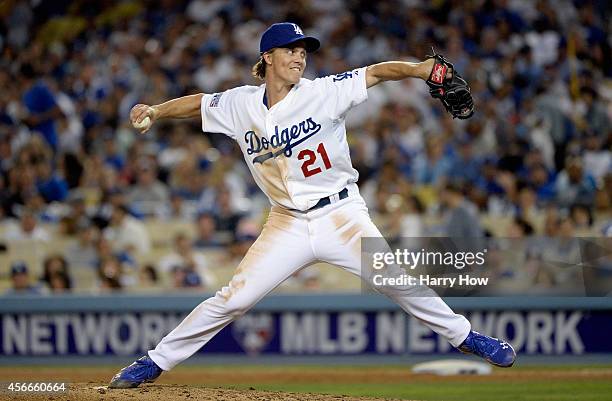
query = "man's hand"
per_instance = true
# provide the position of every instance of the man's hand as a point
(142, 117)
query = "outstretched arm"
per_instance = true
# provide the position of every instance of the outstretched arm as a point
(182, 107)
(397, 70)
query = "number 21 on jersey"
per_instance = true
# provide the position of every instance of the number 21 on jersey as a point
(310, 158)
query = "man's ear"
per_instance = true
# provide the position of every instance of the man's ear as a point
(267, 58)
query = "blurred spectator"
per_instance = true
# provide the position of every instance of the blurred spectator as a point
(112, 157)
(149, 196)
(597, 161)
(434, 166)
(603, 197)
(411, 220)
(20, 186)
(519, 228)
(56, 275)
(411, 133)
(71, 168)
(206, 232)
(574, 185)
(551, 222)
(20, 281)
(82, 253)
(595, 117)
(185, 277)
(177, 148)
(77, 216)
(401, 218)
(527, 206)
(60, 283)
(27, 229)
(41, 106)
(112, 198)
(110, 274)
(226, 218)
(582, 218)
(184, 257)
(126, 233)
(43, 212)
(466, 166)
(50, 185)
(462, 218)
(147, 277)
(180, 208)
(543, 182)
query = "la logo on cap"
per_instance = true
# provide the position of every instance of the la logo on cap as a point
(297, 29)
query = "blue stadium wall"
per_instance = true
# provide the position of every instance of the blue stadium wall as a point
(297, 328)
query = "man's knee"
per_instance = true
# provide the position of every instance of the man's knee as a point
(233, 303)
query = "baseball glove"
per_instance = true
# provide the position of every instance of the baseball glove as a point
(448, 86)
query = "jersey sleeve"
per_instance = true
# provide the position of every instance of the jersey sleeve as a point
(344, 91)
(217, 113)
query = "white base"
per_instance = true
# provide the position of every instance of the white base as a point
(449, 367)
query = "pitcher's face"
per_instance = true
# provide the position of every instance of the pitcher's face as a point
(288, 63)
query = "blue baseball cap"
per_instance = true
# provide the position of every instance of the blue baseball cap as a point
(18, 267)
(283, 34)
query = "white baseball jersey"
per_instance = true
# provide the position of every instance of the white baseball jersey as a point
(296, 150)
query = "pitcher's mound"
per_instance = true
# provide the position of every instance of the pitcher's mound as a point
(167, 392)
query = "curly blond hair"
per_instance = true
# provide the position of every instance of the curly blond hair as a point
(259, 69)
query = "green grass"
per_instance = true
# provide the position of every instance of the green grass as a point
(529, 384)
(578, 390)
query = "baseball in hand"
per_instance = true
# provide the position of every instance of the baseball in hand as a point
(145, 123)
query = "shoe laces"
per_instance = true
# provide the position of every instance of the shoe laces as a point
(150, 369)
(482, 346)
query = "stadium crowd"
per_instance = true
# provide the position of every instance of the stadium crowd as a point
(537, 153)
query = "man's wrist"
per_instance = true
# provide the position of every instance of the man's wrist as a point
(425, 68)
(156, 114)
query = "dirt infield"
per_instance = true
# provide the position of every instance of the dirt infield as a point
(168, 392)
(241, 382)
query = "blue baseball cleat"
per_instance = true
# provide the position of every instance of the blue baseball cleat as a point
(143, 370)
(495, 351)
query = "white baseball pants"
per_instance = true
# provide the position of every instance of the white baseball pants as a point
(289, 241)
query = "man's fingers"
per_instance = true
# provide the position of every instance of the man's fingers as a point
(142, 114)
(145, 112)
(139, 112)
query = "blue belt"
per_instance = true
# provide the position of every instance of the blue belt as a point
(326, 201)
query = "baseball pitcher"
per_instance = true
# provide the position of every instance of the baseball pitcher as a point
(292, 133)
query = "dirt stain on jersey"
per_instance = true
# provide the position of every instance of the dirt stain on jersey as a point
(272, 175)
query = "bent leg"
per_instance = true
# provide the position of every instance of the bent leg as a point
(276, 254)
(338, 241)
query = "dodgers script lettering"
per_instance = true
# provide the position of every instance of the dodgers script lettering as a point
(286, 139)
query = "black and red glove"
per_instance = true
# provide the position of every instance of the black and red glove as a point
(448, 86)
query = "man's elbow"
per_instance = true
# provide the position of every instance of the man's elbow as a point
(373, 75)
